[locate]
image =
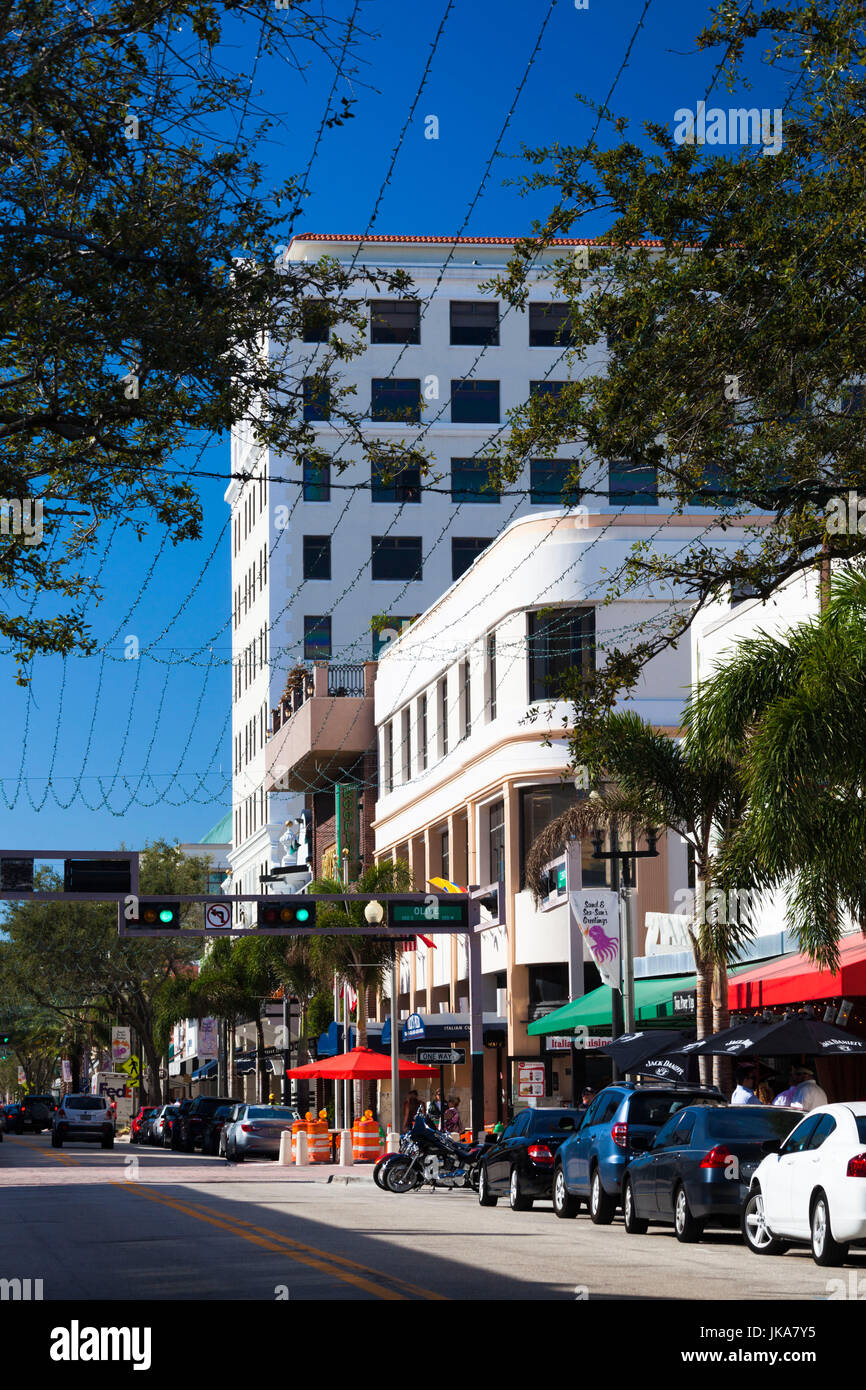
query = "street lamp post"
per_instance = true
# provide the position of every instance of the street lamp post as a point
(375, 914)
(626, 859)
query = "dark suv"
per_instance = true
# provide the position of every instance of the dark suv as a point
(190, 1125)
(34, 1112)
(622, 1121)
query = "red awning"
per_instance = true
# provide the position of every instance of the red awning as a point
(794, 979)
(359, 1064)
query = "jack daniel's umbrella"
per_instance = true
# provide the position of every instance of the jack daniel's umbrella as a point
(655, 1052)
(780, 1037)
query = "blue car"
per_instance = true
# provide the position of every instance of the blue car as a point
(622, 1120)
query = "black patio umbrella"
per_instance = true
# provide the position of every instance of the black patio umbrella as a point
(648, 1051)
(781, 1037)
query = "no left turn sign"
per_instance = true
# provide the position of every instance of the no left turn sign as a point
(217, 915)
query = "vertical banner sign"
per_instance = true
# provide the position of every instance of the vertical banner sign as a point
(121, 1045)
(207, 1039)
(596, 911)
(66, 1071)
(22, 1077)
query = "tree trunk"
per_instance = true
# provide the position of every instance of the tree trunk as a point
(723, 1071)
(154, 1089)
(704, 990)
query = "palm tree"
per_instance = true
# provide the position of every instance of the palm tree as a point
(791, 711)
(672, 783)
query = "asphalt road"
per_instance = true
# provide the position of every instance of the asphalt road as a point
(149, 1224)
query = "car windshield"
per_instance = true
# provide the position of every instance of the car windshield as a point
(555, 1121)
(210, 1105)
(655, 1107)
(84, 1103)
(861, 1128)
(749, 1122)
(271, 1112)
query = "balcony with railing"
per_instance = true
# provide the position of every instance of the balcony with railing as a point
(322, 725)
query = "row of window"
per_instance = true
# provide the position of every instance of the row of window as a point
(252, 502)
(252, 659)
(254, 581)
(473, 323)
(559, 642)
(473, 480)
(385, 560)
(250, 815)
(248, 741)
(399, 399)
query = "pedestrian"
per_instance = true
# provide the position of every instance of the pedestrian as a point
(744, 1091)
(807, 1093)
(410, 1108)
(452, 1117)
(435, 1109)
(587, 1096)
(786, 1097)
(764, 1093)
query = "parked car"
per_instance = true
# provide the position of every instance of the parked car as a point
(34, 1113)
(137, 1125)
(256, 1130)
(213, 1127)
(696, 1172)
(156, 1125)
(813, 1191)
(189, 1125)
(174, 1131)
(590, 1165)
(8, 1116)
(233, 1111)
(83, 1117)
(520, 1163)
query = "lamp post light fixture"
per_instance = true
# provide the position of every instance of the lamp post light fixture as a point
(374, 913)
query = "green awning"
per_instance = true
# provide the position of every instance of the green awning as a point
(652, 1004)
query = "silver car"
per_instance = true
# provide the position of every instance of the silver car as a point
(157, 1130)
(255, 1130)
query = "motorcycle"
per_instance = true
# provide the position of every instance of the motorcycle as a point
(407, 1146)
(437, 1159)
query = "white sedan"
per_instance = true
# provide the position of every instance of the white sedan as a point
(813, 1190)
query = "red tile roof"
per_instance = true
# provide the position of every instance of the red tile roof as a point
(453, 241)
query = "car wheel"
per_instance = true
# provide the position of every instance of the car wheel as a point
(601, 1207)
(108, 1141)
(402, 1176)
(635, 1225)
(485, 1196)
(516, 1199)
(238, 1154)
(37, 1129)
(222, 1148)
(564, 1204)
(756, 1232)
(688, 1229)
(825, 1250)
(56, 1141)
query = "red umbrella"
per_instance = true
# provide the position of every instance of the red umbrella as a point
(361, 1063)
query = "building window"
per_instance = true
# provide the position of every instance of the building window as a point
(491, 673)
(390, 484)
(547, 483)
(445, 854)
(317, 557)
(465, 550)
(496, 842)
(389, 757)
(317, 482)
(396, 398)
(541, 805)
(560, 640)
(466, 698)
(471, 481)
(317, 638)
(553, 389)
(548, 986)
(549, 326)
(632, 486)
(317, 399)
(474, 323)
(383, 636)
(443, 717)
(395, 321)
(406, 745)
(475, 402)
(397, 557)
(422, 733)
(315, 322)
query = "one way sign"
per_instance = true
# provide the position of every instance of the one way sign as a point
(442, 1056)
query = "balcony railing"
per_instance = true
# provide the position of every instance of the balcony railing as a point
(341, 681)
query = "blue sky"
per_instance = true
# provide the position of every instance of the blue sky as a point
(162, 722)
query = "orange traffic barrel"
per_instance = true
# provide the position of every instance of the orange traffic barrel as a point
(319, 1138)
(299, 1126)
(365, 1139)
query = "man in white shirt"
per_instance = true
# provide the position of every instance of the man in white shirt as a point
(744, 1091)
(807, 1093)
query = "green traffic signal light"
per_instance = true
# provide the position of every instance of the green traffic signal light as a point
(302, 914)
(166, 915)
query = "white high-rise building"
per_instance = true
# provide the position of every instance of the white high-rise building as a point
(317, 558)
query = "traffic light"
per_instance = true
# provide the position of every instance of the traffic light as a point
(155, 912)
(97, 875)
(298, 911)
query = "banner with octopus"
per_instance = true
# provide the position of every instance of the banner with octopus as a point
(596, 911)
